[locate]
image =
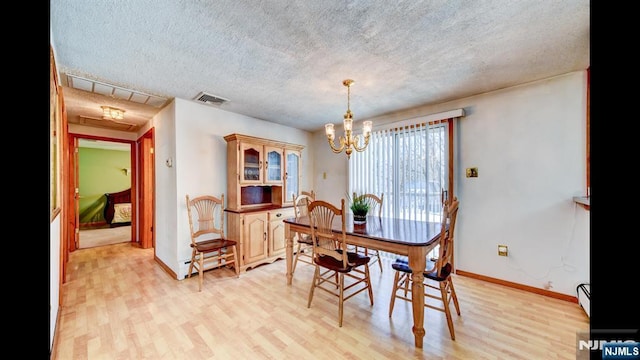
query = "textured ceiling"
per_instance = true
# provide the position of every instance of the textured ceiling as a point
(284, 61)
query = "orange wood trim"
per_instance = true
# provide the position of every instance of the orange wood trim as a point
(54, 213)
(165, 267)
(133, 155)
(145, 190)
(94, 137)
(451, 176)
(451, 158)
(510, 284)
(72, 216)
(66, 172)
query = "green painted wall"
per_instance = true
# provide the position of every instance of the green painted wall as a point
(101, 171)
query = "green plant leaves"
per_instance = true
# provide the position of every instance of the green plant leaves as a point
(360, 204)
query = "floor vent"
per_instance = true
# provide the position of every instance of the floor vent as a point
(210, 99)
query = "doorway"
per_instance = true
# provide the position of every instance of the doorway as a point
(141, 185)
(104, 167)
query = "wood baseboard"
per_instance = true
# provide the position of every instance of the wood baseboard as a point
(532, 289)
(165, 267)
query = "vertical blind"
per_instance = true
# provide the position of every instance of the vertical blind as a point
(409, 166)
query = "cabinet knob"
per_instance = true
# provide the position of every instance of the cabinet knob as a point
(278, 214)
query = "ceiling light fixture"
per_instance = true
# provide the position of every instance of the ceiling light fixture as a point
(348, 142)
(111, 113)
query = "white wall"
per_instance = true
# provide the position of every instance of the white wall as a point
(200, 167)
(166, 178)
(54, 276)
(529, 144)
(530, 165)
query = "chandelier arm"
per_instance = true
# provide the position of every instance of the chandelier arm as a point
(333, 146)
(356, 141)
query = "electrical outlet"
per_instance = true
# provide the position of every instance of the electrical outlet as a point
(503, 250)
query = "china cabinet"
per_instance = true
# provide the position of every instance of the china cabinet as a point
(263, 176)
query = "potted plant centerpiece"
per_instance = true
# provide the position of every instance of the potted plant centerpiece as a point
(359, 205)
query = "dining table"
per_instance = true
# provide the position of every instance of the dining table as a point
(411, 238)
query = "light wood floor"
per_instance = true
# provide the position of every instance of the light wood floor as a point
(119, 304)
(100, 237)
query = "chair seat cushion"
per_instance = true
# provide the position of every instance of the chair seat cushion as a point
(331, 263)
(206, 246)
(402, 264)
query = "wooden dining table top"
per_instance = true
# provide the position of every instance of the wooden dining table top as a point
(408, 232)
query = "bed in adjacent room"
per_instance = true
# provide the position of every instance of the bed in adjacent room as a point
(117, 212)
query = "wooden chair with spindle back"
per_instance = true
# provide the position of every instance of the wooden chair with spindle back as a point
(438, 283)
(210, 248)
(376, 209)
(304, 250)
(333, 263)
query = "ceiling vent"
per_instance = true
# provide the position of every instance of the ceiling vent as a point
(203, 97)
(80, 83)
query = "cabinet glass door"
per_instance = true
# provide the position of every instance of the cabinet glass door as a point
(251, 160)
(292, 176)
(274, 166)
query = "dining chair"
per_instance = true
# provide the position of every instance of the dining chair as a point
(332, 261)
(309, 193)
(210, 248)
(304, 250)
(376, 209)
(438, 282)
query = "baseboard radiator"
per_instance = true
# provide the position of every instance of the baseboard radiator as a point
(584, 297)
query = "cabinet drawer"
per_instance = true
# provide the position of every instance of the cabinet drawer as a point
(281, 214)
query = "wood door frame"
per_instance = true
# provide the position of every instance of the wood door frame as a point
(72, 233)
(145, 162)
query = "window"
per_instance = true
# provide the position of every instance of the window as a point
(410, 165)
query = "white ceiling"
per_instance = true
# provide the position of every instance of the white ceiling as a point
(284, 61)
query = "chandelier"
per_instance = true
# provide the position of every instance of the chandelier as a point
(349, 142)
(111, 113)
